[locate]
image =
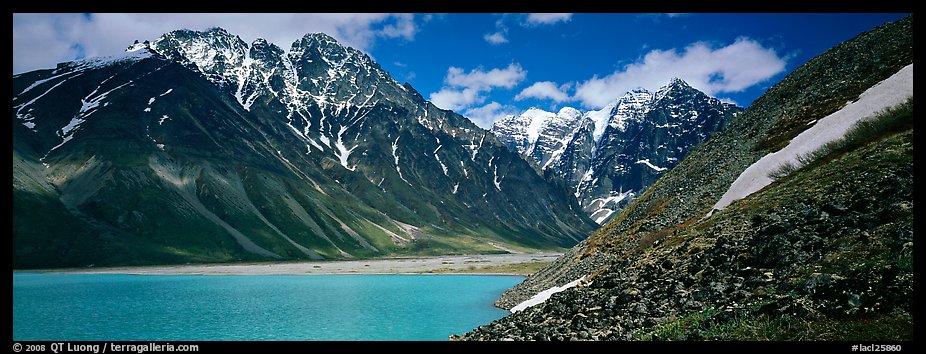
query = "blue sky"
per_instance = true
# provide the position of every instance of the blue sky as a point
(487, 65)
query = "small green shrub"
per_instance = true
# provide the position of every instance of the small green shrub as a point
(891, 120)
(783, 170)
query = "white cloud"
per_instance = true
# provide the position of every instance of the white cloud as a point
(38, 44)
(42, 40)
(500, 34)
(547, 18)
(404, 27)
(544, 90)
(462, 90)
(478, 78)
(727, 100)
(728, 69)
(456, 99)
(496, 38)
(486, 115)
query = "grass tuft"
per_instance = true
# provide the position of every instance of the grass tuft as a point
(890, 121)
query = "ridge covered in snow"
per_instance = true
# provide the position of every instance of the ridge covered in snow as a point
(619, 149)
(318, 80)
(314, 148)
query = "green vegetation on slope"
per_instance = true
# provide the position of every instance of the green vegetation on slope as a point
(192, 177)
(848, 280)
(825, 253)
(812, 91)
(830, 243)
(892, 120)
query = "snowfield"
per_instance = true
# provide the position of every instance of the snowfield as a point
(542, 296)
(885, 94)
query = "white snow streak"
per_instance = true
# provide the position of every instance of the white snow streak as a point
(888, 93)
(542, 296)
(27, 104)
(586, 177)
(312, 141)
(603, 215)
(498, 182)
(39, 82)
(442, 166)
(476, 148)
(343, 152)
(73, 124)
(657, 168)
(395, 148)
(436, 157)
(601, 118)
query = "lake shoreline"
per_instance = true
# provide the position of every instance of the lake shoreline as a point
(488, 264)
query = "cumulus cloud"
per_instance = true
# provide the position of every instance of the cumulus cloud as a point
(496, 38)
(463, 90)
(728, 69)
(486, 115)
(42, 40)
(481, 79)
(456, 99)
(547, 18)
(544, 90)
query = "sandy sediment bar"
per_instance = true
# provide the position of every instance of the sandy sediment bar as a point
(444, 264)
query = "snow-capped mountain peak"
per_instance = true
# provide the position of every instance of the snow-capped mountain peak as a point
(676, 86)
(324, 155)
(633, 105)
(568, 113)
(529, 132)
(619, 149)
(212, 51)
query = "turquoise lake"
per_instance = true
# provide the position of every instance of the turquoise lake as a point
(242, 307)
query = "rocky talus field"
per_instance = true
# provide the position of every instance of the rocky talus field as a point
(825, 252)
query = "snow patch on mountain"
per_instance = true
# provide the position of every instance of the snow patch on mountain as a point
(657, 168)
(395, 156)
(885, 94)
(601, 118)
(495, 179)
(542, 296)
(608, 144)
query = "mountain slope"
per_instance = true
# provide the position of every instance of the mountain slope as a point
(825, 252)
(608, 157)
(198, 147)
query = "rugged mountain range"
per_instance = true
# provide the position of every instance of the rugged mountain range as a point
(200, 147)
(818, 248)
(609, 156)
